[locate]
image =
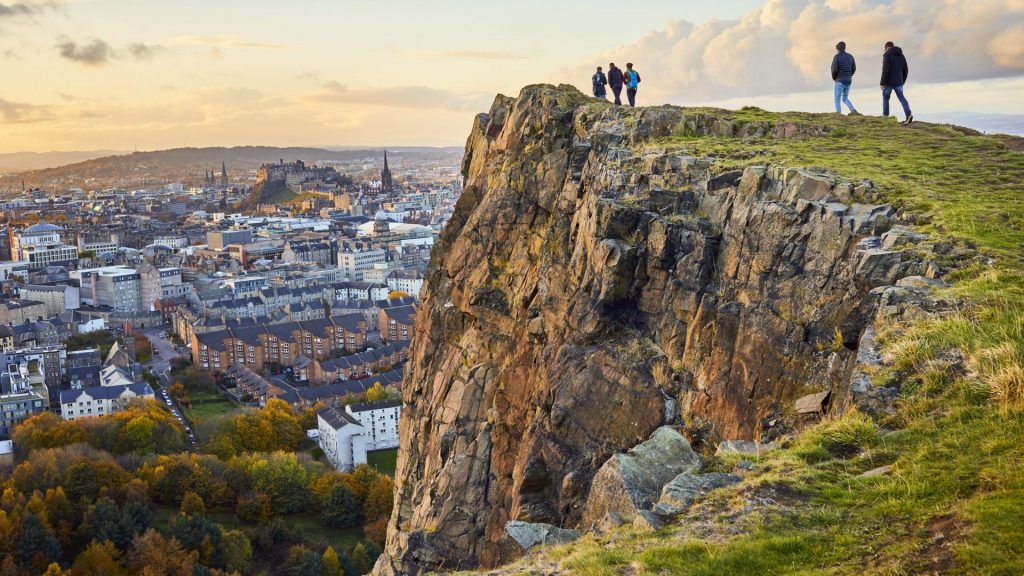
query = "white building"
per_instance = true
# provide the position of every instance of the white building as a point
(341, 438)
(354, 262)
(9, 270)
(40, 246)
(408, 281)
(379, 421)
(101, 400)
(118, 287)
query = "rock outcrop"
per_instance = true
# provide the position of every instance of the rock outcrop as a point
(596, 283)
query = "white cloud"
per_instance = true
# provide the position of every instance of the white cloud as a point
(787, 46)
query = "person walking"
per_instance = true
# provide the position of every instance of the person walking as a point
(894, 76)
(843, 68)
(599, 82)
(615, 81)
(632, 81)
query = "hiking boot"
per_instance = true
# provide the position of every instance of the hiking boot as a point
(855, 113)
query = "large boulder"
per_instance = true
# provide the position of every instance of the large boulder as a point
(686, 488)
(530, 534)
(630, 482)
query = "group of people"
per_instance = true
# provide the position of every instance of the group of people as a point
(617, 79)
(844, 66)
(894, 76)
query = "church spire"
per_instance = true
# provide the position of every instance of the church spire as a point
(386, 183)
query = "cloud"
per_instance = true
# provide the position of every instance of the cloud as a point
(417, 97)
(468, 55)
(141, 51)
(9, 10)
(225, 42)
(95, 52)
(787, 46)
(21, 113)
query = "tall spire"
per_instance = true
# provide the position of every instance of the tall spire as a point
(386, 183)
(223, 174)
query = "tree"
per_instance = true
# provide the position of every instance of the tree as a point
(376, 393)
(54, 570)
(379, 498)
(254, 508)
(192, 504)
(152, 555)
(236, 551)
(361, 560)
(98, 559)
(341, 509)
(376, 531)
(283, 479)
(137, 436)
(397, 294)
(330, 565)
(102, 521)
(303, 562)
(143, 348)
(37, 544)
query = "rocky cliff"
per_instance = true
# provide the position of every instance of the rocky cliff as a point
(597, 283)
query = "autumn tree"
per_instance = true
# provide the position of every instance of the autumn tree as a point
(236, 551)
(153, 555)
(283, 479)
(98, 559)
(361, 560)
(330, 565)
(192, 504)
(37, 545)
(379, 498)
(303, 562)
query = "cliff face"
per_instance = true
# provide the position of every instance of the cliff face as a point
(594, 285)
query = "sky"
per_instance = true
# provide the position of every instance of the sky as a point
(124, 75)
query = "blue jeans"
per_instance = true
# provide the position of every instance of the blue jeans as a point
(887, 91)
(631, 94)
(843, 95)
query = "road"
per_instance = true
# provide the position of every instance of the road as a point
(163, 351)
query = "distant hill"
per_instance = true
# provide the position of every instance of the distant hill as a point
(22, 161)
(161, 166)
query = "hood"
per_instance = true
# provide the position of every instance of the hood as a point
(895, 50)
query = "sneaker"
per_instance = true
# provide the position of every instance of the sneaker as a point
(855, 113)
(910, 119)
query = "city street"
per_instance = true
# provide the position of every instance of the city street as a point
(163, 349)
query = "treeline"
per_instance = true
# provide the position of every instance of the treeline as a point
(86, 499)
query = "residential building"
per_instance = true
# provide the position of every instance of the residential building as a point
(57, 298)
(341, 438)
(354, 262)
(101, 400)
(398, 323)
(116, 287)
(20, 397)
(160, 283)
(379, 421)
(314, 251)
(21, 311)
(408, 281)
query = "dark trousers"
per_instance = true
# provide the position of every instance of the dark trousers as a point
(887, 91)
(617, 90)
(631, 94)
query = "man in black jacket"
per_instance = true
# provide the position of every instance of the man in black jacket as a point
(615, 82)
(894, 76)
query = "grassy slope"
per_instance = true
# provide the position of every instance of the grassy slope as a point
(955, 500)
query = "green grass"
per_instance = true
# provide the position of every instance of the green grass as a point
(208, 406)
(954, 501)
(383, 461)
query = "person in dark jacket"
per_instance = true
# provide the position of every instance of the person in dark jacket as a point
(894, 76)
(599, 81)
(843, 69)
(615, 82)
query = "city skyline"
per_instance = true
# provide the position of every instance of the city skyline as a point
(107, 74)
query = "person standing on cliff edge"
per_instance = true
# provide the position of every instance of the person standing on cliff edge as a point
(615, 82)
(894, 76)
(599, 81)
(843, 69)
(632, 78)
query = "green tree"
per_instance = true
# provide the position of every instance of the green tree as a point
(37, 545)
(361, 560)
(137, 436)
(341, 508)
(236, 551)
(283, 479)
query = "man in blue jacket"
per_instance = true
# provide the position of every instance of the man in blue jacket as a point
(894, 76)
(843, 69)
(615, 81)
